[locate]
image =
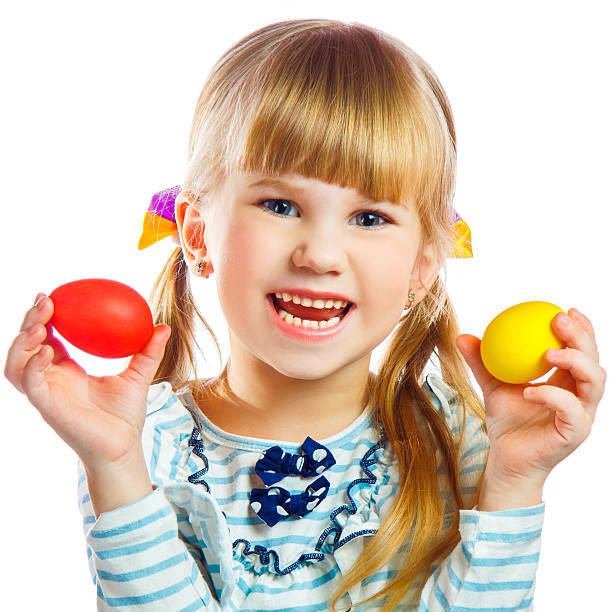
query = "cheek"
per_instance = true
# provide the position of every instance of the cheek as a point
(245, 259)
(388, 263)
(249, 245)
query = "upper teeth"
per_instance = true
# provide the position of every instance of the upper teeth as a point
(306, 301)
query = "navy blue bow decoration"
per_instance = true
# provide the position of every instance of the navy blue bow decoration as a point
(276, 464)
(276, 504)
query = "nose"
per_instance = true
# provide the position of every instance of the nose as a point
(321, 252)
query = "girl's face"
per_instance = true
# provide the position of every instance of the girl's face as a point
(269, 234)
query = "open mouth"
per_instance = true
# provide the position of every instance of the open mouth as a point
(310, 317)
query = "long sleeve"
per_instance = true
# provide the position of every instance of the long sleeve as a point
(139, 560)
(494, 565)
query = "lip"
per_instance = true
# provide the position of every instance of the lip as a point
(302, 333)
(314, 294)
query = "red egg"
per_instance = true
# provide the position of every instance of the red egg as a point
(102, 317)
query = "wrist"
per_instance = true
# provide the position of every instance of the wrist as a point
(119, 483)
(497, 493)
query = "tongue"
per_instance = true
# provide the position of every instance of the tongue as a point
(305, 312)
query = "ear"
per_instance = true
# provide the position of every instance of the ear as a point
(191, 224)
(427, 269)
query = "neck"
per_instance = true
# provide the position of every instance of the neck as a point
(257, 401)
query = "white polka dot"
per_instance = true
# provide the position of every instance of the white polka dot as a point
(319, 454)
(319, 492)
(256, 506)
(273, 491)
(282, 511)
(312, 504)
(320, 469)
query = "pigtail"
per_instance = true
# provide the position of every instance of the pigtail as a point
(172, 303)
(421, 440)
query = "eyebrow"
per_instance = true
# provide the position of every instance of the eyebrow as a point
(274, 182)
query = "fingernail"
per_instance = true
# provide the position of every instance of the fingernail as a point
(564, 320)
(39, 299)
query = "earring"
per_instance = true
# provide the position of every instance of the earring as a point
(411, 297)
(201, 266)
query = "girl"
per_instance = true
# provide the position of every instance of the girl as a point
(319, 193)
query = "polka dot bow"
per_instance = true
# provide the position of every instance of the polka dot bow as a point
(276, 464)
(276, 504)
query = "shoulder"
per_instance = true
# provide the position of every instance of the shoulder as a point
(468, 429)
(164, 403)
(158, 396)
(167, 430)
(444, 397)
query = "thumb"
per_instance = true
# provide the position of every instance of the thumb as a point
(143, 365)
(469, 347)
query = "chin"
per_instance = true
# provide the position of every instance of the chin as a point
(302, 371)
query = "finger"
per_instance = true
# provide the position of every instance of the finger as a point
(575, 335)
(589, 376)
(40, 312)
(59, 350)
(469, 346)
(26, 344)
(572, 421)
(34, 384)
(582, 320)
(143, 365)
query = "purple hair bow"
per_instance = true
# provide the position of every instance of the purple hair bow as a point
(276, 464)
(277, 504)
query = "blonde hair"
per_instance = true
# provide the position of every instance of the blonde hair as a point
(350, 105)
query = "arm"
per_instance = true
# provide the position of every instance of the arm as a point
(494, 565)
(137, 556)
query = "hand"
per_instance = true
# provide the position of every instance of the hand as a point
(101, 418)
(533, 427)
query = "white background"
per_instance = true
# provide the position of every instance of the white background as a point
(96, 108)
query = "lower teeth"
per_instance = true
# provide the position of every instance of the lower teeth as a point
(289, 318)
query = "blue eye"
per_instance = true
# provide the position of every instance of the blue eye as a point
(282, 205)
(275, 202)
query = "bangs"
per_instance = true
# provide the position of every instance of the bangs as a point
(344, 106)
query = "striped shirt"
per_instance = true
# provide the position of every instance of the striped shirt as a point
(195, 543)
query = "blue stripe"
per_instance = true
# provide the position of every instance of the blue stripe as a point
(148, 597)
(509, 538)
(472, 451)
(477, 467)
(531, 511)
(174, 464)
(159, 429)
(483, 587)
(136, 548)
(196, 605)
(305, 585)
(147, 520)
(518, 560)
(147, 571)
(522, 606)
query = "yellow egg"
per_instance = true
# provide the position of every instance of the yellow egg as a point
(515, 341)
